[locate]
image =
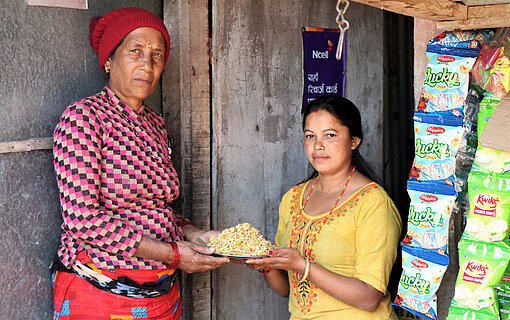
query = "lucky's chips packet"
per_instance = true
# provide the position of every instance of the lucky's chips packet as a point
(429, 215)
(481, 268)
(446, 82)
(422, 272)
(489, 209)
(437, 139)
(462, 39)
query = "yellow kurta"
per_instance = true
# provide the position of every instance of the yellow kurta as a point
(358, 239)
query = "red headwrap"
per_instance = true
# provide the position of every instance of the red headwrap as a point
(107, 32)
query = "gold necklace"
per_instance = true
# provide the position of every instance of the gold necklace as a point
(341, 193)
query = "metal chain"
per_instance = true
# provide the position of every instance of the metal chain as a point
(343, 25)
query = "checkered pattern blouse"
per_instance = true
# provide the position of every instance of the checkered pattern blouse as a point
(115, 180)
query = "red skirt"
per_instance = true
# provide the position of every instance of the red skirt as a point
(75, 298)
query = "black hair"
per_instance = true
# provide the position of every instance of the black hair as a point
(348, 114)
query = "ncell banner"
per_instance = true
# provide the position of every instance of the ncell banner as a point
(323, 73)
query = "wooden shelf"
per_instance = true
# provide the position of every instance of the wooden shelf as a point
(451, 15)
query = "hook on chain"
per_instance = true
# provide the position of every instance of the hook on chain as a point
(343, 25)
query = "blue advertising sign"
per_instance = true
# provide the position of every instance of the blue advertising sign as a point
(323, 73)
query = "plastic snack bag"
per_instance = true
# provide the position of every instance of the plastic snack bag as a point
(437, 139)
(492, 160)
(422, 273)
(489, 210)
(492, 67)
(462, 39)
(487, 105)
(504, 304)
(503, 291)
(446, 82)
(429, 215)
(481, 268)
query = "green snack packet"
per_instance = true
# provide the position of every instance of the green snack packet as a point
(487, 106)
(489, 207)
(504, 303)
(504, 285)
(491, 160)
(481, 268)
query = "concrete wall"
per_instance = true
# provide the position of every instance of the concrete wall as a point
(46, 63)
(257, 135)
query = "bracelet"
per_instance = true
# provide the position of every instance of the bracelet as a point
(175, 255)
(265, 271)
(307, 271)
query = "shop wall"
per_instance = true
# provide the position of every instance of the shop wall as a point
(257, 136)
(47, 63)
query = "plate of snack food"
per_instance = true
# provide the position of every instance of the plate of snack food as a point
(241, 242)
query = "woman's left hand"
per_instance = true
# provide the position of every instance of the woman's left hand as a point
(285, 258)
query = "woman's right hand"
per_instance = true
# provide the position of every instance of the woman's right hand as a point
(197, 258)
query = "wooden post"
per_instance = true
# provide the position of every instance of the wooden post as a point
(186, 109)
(199, 156)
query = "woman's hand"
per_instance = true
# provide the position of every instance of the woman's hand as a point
(196, 235)
(285, 258)
(196, 258)
(206, 236)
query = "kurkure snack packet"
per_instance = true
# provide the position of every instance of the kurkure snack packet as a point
(446, 80)
(422, 272)
(437, 139)
(489, 210)
(486, 109)
(429, 215)
(481, 268)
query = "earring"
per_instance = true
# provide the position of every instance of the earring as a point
(106, 69)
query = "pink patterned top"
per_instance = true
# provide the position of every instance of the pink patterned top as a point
(116, 182)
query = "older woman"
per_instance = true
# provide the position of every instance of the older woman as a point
(122, 243)
(340, 228)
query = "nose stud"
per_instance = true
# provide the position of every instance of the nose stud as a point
(321, 148)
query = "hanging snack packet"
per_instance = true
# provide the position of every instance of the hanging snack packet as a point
(504, 284)
(422, 272)
(462, 39)
(446, 81)
(489, 210)
(503, 291)
(437, 139)
(491, 70)
(492, 160)
(429, 215)
(504, 304)
(487, 105)
(481, 268)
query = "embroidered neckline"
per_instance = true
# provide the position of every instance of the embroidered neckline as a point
(322, 215)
